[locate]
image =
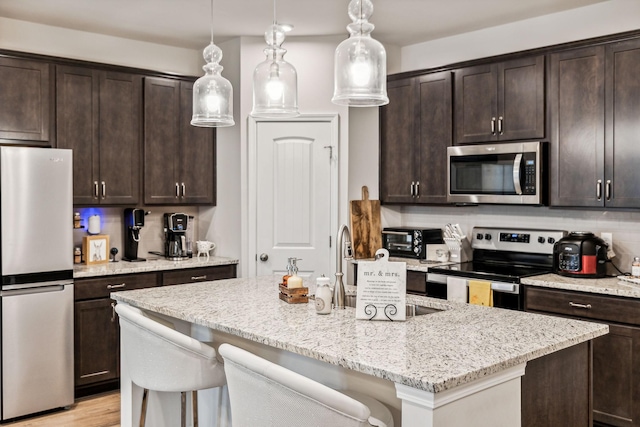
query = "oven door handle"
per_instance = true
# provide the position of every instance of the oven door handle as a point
(509, 288)
(517, 163)
(395, 233)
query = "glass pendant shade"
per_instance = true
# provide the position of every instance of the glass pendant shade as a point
(212, 93)
(360, 73)
(275, 81)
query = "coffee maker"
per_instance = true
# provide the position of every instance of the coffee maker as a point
(175, 236)
(133, 222)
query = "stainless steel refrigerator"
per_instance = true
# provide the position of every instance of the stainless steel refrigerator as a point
(36, 214)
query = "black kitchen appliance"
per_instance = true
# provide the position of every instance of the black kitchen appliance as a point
(133, 222)
(175, 236)
(502, 256)
(410, 242)
(580, 254)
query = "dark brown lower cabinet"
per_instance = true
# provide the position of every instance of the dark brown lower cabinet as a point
(97, 332)
(201, 274)
(96, 341)
(616, 356)
(556, 389)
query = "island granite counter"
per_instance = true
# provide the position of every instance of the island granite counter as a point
(460, 365)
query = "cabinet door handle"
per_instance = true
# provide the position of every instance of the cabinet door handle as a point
(177, 190)
(413, 189)
(104, 189)
(183, 189)
(113, 312)
(417, 188)
(120, 286)
(500, 122)
(203, 277)
(607, 190)
(575, 305)
(493, 125)
(95, 190)
(599, 189)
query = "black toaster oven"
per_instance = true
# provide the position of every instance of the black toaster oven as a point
(410, 242)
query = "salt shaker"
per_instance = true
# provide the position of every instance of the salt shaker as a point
(323, 295)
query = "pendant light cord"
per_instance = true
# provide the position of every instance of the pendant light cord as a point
(211, 21)
(274, 12)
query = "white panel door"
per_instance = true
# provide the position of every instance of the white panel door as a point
(294, 197)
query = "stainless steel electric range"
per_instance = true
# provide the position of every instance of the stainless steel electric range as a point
(502, 256)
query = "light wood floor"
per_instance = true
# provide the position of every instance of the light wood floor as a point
(102, 410)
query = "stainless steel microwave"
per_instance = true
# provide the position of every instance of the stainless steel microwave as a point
(509, 173)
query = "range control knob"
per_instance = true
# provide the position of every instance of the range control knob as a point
(479, 236)
(551, 240)
(487, 236)
(540, 239)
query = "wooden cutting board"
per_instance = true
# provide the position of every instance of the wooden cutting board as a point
(366, 232)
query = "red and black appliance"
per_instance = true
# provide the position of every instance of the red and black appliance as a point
(580, 254)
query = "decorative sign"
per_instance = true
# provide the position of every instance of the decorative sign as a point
(382, 287)
(95, 249)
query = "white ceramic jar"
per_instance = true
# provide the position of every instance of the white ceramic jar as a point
(323, 295)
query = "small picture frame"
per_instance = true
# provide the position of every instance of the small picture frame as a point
(95, 249)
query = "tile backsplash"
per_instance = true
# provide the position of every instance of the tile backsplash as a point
(624, 225)
(112, 224)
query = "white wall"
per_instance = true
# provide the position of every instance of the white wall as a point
(25, 36)
(614, 16)
(591, 21)
(221, 224)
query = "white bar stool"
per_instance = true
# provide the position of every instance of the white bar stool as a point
(163, 359)
(263, 394)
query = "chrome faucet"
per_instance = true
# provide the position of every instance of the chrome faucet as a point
(346, 253)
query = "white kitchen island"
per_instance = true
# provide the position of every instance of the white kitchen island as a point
(460, 366)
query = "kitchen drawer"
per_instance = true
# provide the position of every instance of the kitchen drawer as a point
(584, 305)
(203, 274)
(103, 286)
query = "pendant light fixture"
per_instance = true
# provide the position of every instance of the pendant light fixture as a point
(212, 93)
(360, 73)
(275, 81)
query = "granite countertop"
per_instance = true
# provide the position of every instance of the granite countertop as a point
(605, 286)
(150, 265)
(433, 352)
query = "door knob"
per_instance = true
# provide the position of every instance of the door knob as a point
(264, 257)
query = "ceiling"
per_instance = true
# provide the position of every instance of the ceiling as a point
(186, 23)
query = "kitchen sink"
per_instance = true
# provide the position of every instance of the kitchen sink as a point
(412, 309)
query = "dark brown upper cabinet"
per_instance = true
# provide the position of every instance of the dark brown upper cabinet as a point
(500, 102)
(415, 131)
(99, 117)
(25, 101)
(594, 107)
(622, 125)
(179, 159)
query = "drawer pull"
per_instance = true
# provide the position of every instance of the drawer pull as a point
(122, 285)
(199, 277)
(95, 374)
(585, 306)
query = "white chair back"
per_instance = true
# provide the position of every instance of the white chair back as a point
(264, 394)
(163, 359)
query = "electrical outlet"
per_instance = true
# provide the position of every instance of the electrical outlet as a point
(608, 238)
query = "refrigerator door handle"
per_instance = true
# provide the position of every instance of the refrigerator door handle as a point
(31, 290)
